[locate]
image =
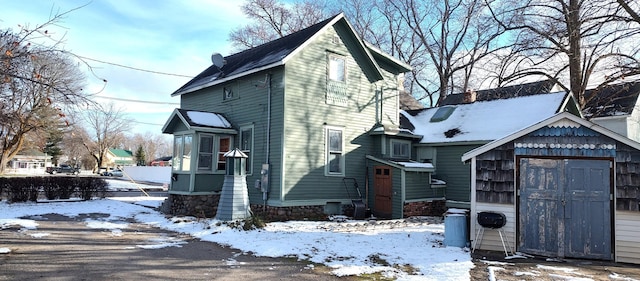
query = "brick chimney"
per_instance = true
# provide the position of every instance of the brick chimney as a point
(469, 96)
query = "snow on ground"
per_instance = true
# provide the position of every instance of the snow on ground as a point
(398, 249)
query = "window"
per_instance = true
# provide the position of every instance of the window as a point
(335, 151)
(227, 93)
(223, 147)
(246, 145)
(400, 149)
(205, 154)
(336, 68)
(182, 152)
(442, 113)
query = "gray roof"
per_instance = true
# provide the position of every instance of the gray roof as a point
(507, 92)
(611, 100)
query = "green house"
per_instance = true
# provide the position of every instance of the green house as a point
(315, 112)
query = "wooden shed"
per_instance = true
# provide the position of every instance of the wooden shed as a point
(568, 188)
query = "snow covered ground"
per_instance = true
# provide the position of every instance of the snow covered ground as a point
(398, 249)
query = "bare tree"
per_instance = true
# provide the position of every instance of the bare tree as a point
(36, 86)
(453, 36)
(153, 145)
(105, 128)
(272, 19)
(575, 43)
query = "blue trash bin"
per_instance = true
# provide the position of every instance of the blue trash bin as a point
(455, 228)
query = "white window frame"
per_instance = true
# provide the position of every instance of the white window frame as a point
(392, 151)
(332, 68)
(181, 163)
(220, 154)
(249, 152)
(329, 152)
(211, 154)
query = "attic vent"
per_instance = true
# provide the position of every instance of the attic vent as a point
(335, 39)
(442, 113)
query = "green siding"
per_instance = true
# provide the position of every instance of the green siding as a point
(417, 186)
(307, 113)
(248, 106)
(299, 113)
(182, 184)
(397, 204)
(451, 169)
(208, 183)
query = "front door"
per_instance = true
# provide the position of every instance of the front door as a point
(382, 182)
(565, 208)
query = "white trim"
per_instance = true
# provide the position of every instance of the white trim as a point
(342, 152)
(405, 142)
(549, 121)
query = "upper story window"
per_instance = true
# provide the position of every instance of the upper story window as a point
(334, 151)
(400, 149)
(337, 68)
(246, 146)
(227, 93)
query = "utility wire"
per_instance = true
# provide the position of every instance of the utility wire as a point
(138, 101)
(135, 68)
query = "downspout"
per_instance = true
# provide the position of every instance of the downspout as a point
(265, 191)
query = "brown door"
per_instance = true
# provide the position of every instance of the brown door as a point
(382, 188)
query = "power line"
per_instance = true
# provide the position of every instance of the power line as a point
(138, 101)
(135, 68)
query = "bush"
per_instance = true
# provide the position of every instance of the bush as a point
(22, 189)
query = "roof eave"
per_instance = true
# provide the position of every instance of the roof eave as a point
(229, 78)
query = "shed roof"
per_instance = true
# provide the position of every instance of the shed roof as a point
(483, 121)
(611, 100)
(555, 119)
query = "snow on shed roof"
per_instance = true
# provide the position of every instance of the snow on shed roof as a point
(484, 120)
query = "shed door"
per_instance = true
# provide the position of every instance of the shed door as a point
(383, 189)
(565, 208)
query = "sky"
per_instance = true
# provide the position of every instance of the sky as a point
(170, 36)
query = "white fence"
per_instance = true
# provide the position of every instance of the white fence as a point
(148, 173)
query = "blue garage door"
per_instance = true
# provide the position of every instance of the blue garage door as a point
(565, 208)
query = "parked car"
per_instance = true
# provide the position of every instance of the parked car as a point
(63, 168)
(115, 173)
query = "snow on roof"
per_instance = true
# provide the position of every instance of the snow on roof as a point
(485, 120)
(208, 119)
(415, 165)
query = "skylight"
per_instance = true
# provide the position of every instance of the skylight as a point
(442, 113)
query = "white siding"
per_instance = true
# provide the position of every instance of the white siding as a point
(491, 239)
(627, 239)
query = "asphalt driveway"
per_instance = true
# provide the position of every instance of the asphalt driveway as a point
(63, 248)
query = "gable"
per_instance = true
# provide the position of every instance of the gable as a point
(611, 100)
(483, 120)
(182, 119)
(278, 52)
(560, 120)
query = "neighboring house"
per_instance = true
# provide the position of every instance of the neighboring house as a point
(472, 119)
(29, 162)
(119, 157)
(569, 188)
(164, 161)
(317, 114)
(615, 107)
